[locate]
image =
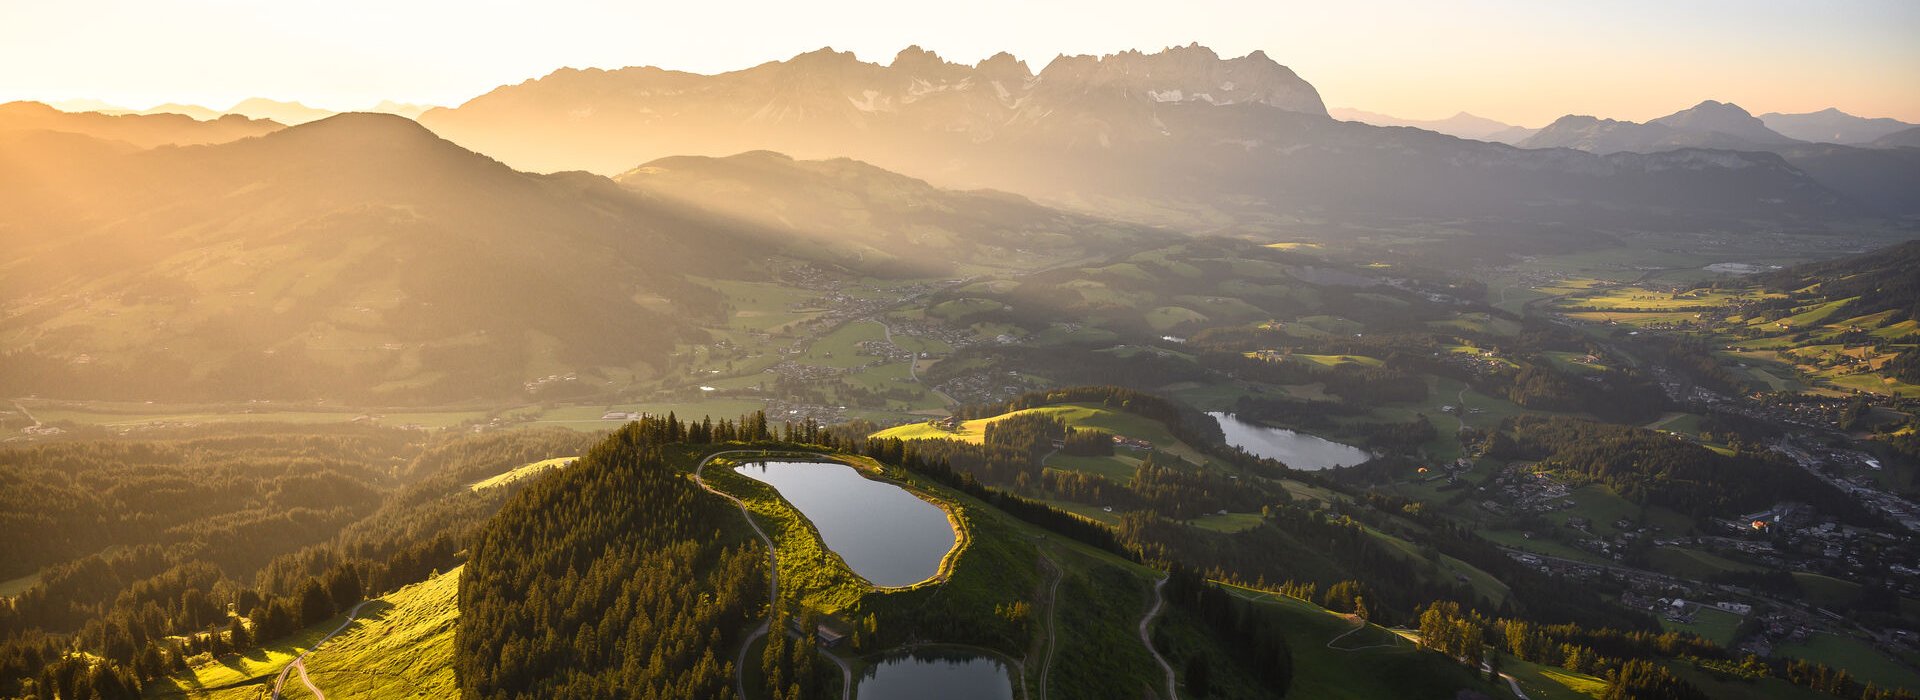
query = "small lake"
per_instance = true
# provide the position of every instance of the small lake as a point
(935, 675)
(886, 534)
(1298, 450)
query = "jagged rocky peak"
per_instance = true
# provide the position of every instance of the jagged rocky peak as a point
(824, 55)
(1191, 73)
(916, 58)
(1004, 68)
(921, 64)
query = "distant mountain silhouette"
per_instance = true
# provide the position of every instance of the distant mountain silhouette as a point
(87, 105)
(865, 217)
(1879, 182)
(362, 257)
(1833, 126)
(1463, 125)
(359, 256)
(195, 111)
(1905, 138)
(404, 109)
(1181, 137)
(143, 131)
(289, 113)
(1709, 124)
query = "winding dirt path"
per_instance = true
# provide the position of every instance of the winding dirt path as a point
(29, 414)
(1146, 623)
(1460, 402)
(773, 586)
(1508, 677)
(1362, 626)
(1053, 612)
(299, 662)
(308, 682)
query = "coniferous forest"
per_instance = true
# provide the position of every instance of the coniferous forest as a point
(618, 577)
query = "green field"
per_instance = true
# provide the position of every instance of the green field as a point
(400, 646)
(1712, 623)
(1373, 665)
(1694, 564)
(840, 348)
(1827, 590)
(1726, 688)
(240, 675)
(1229, 522)
(1079, 416)
(1331, 361)
(1857, 657)
(521, 472)
(962, 308)
(764, 306)
(1787, 351)
(1552, 682)
(1441, 567)
(13, 587)
(1119, 468)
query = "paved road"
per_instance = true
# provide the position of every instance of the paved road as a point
(299, 662)
(913, 364)
(1145, 623)
(773, 586)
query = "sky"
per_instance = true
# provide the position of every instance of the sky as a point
(1524, 62)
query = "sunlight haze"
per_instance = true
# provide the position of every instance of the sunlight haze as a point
(1519, 62)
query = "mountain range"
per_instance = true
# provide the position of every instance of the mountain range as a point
(860, 216)
(1833, 126)
(362, 256)
(1463, 125)
(284, 112)
(1904, 138)
(1709, 124)
(1181, 137)
(1884, 180)
(137, 130)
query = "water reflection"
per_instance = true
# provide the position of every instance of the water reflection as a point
(1297, 450)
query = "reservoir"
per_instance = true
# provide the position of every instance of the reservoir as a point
(886, 534)
(926, 674)
(1297, 450)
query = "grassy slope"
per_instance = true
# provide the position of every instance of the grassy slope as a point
(401, 645)
(1859, 658)
(1396, 669)
(1717, 625)
(226, 676)
(1779, 358)
(1099, 601)
(1080, 416)
(809, 571)
(1552, 683)
(520, 472)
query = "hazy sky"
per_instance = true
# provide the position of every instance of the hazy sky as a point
(1524, 61)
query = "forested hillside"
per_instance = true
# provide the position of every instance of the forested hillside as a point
(617, 577)
(1645, 465)
(154, 558)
